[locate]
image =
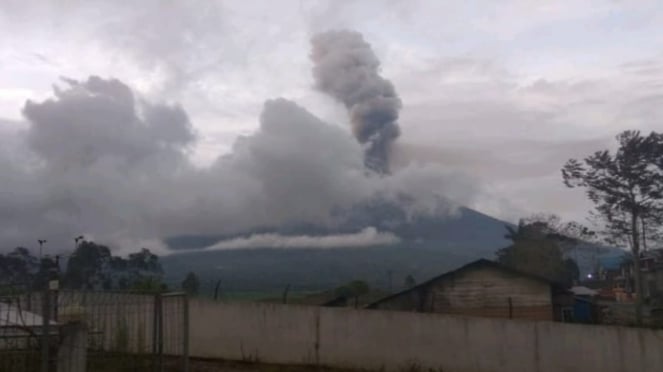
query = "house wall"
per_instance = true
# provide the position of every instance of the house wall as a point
(653, 283)
(374, 339)
(483, 291)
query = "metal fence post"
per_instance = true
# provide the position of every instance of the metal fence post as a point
(185, 333)
(45, 331)
(155, 325)
(158, 331)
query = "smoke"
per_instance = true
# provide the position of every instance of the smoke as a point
(98, 159)
(346, 68)
(367, 237)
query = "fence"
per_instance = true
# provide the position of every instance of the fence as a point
(56, 330)
(394, 340)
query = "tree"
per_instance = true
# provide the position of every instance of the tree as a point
(139, 266)
(92, 266)
(149, 285)
(539, 245)
(626, 189)
(358, 288)
(566, 233)
(410, 282)
(191, 284)
(18, 269)
(355, 288)
(88, 266)
(571, 272)
(537, 256)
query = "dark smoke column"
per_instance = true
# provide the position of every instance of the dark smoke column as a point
(347, 69)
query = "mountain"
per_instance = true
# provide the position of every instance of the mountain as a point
(429, 246)
(467, 228)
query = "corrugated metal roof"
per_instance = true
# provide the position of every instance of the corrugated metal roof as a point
(583, 291)
(12, 316)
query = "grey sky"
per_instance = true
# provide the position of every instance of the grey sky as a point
(502, 91)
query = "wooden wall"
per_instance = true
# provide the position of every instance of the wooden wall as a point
(481, 291)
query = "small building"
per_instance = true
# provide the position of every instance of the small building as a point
(585, 307)
(486, 289)
(651, 263)
(19, 327)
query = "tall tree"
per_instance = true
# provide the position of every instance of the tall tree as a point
(191, 283)
(355, 288)
(87, 266)
(18, 269)
(410, 282)
(626, 188)
(92, 266)
(530, 251)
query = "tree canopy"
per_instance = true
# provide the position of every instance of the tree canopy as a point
(191, 284)
(410, 281)
(92, 266)
(626, 188)
(535, 249)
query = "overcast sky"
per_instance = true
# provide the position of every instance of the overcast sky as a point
(503, 91)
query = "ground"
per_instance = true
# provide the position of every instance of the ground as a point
(198, 365)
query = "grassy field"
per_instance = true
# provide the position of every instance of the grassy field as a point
(201, 365)
(270, 296)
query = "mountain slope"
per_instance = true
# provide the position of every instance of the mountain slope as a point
(429, 245)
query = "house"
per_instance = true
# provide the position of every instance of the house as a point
(615, 278)
(487, 289)
(651, 264)
(18, 327)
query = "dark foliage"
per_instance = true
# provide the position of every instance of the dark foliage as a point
(626, 188)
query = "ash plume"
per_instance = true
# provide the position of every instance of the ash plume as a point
(97, 158)
(346, 68)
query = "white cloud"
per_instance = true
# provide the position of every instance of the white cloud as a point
(504, 91)
(364, 238)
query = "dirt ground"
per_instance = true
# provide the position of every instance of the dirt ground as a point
(198, 365)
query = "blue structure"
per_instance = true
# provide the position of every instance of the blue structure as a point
(583, 310)
(612, 262)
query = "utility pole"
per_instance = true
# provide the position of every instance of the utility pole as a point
(76, 240)
(390, 281)
(41, 244)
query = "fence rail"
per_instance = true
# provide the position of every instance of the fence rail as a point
(110, 331)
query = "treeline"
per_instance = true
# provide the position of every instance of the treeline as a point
(90, 267)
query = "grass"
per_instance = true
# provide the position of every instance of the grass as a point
(205, 365)
(271, 296)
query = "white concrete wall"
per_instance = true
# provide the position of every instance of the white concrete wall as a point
(373, 339)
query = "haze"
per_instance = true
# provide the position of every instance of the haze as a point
(495, 98)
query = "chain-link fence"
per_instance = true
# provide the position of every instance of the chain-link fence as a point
(26, 338)
(107, 331)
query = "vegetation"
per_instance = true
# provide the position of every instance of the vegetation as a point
(354, 289)
(191, 284)
(626, 188)
(410, 282)
(92, 266)
(535, 248)
(20, 270)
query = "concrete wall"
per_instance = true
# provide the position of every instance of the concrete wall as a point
(373, 339)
